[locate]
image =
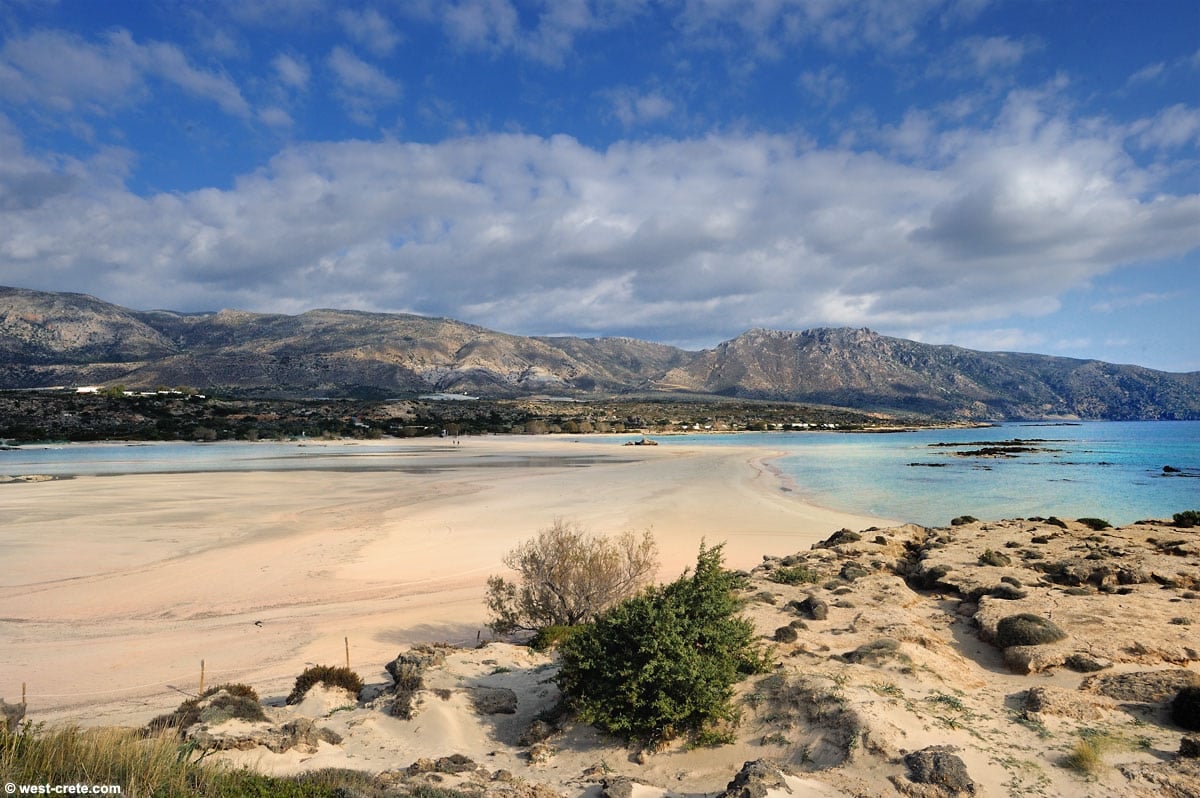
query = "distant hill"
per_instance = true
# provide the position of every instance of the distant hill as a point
(49, 339)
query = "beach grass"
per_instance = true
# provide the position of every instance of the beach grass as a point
(150, 765)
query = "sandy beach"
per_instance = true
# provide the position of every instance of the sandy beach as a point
(115, 588)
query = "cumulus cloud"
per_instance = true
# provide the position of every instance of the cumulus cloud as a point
(685, 240)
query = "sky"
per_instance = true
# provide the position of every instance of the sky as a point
(1018, 175)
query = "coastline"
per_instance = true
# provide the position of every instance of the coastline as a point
(119, 587)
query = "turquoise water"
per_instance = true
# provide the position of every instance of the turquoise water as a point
(1110, 470)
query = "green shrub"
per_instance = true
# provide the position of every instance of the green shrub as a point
(663, 663)
(327, 675)
(1007, 592)
(1058, 522)
(1187, 519)
(963, 519)
(796, 575)
(786, 634)
(1027, 629)
(996, 558)
(1185, 709)
(217, 703)
(552, 636)
(1095, 523)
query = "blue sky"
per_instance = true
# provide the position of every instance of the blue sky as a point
(998, 174)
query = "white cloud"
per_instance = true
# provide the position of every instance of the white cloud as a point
(370, 29)
(1137, 300)
(632, 107)
(362, 87)
(827, 84)
(275, 117)
(488, 24)
(1147, 74)
(68, 74)
(1171, 128)
(293, 71)
(992, 53)
(670, 239)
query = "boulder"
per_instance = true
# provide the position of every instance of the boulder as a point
(756, 779)
(815, 608)
(616, 787)
(941, 768)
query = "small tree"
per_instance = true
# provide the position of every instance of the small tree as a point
(664, 662)
(568, 576)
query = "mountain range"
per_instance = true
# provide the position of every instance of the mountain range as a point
(68, 339)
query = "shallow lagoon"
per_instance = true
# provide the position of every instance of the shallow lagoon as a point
(1110, 470)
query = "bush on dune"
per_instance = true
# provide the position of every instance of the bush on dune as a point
(663, 664)
(567, 576)
(327, 675)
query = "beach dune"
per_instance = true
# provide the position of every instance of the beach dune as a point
(116, 588)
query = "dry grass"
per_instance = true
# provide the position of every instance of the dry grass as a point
(149, 765)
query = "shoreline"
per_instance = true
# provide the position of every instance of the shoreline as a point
(139, 577)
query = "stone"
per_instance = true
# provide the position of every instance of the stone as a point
(1062, 703)
(940, 766)
(1189, 747)
(494, 700)
(852, 571)
(537, 732)
(1148, 687)
(1081, 662)
(756, 779)
(300, 734)
(540, 754)
(817, 609)
(616, 787)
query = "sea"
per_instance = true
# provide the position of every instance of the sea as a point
(1119, 471)
(1111, 470)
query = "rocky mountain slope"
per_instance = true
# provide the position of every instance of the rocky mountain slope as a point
(69, 339)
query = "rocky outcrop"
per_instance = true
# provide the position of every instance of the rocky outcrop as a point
(301, 734)
(935, 772)
(757, 779)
